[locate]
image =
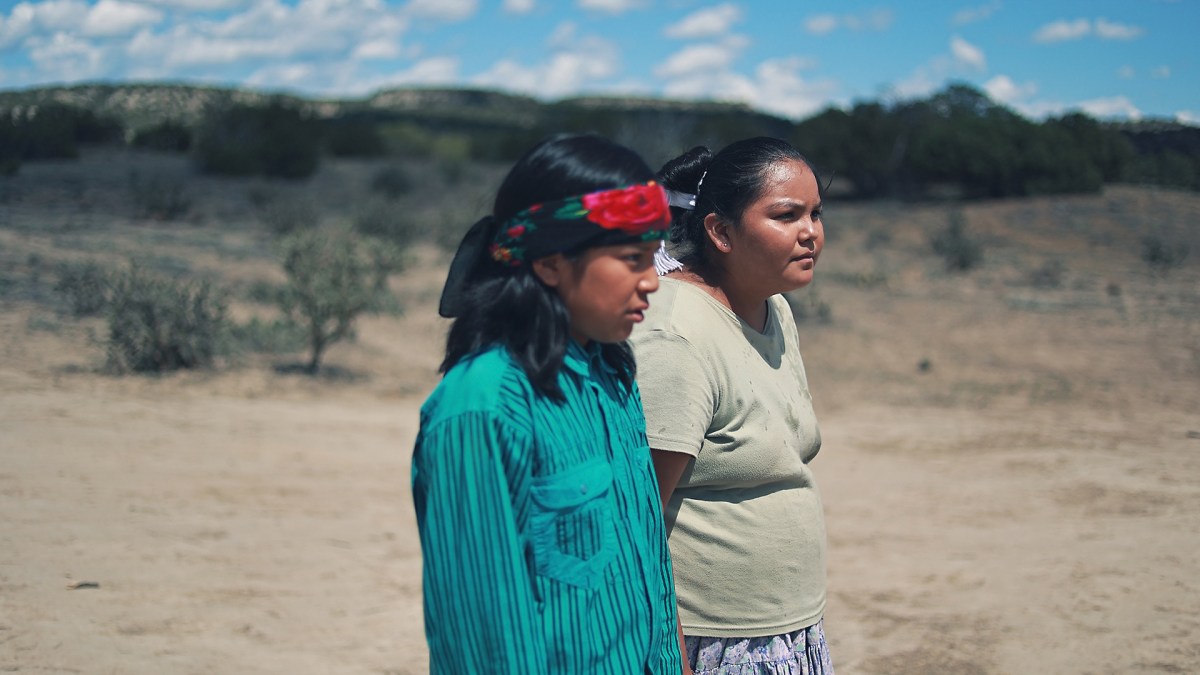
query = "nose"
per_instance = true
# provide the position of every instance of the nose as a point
(649, 281)
(808, 229)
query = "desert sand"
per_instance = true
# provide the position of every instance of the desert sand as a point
(1011, 469)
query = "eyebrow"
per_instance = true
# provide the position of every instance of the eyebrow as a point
(786, 201)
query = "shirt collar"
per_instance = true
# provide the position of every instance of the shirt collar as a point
(586, 360)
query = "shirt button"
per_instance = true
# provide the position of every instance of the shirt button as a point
(583, 489)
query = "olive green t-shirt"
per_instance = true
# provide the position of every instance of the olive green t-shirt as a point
(745, 524)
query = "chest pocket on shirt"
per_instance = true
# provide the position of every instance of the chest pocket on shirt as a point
(572, 523)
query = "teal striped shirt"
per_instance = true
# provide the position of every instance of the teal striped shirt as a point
(541, 526)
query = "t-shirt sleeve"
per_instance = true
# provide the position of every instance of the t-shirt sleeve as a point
(481, 613)
(677, 395)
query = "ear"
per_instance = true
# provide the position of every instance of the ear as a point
(550, 269)
(718, 232)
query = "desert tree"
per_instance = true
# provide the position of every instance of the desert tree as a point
(333, 276)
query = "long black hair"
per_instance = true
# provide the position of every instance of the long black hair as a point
(724, 184)
(510, 306)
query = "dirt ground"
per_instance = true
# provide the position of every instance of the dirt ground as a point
(1011, 459)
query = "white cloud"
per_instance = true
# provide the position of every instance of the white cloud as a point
(974, 14)
(876, 20)
(518, 6)
(821, 24)
(199, 5)
(967, 54)
(1116, 106)
(377, 50)
(705, 23)
(1161, 72)
(1188, 117)
(27, 20)
(1002, 89)
(1126, 72)
(1108, 30)
(609, 6)
(273, 31)
(68, 58)
(701, 59)
(706, 72)
(563, 35)
(962, 58)
(570, 70)
(443, 10)
(437, 71)
(110, 18)
(281, 76)
(1063, 30)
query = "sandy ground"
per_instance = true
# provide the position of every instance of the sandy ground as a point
(1028, 502)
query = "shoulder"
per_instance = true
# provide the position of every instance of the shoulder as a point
(782, 309)
(681, 309)
(488, 382)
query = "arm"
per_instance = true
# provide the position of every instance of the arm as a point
(480, 605)
(668, 467)
(679, 401)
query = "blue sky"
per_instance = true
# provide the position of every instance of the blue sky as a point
(1109, 58)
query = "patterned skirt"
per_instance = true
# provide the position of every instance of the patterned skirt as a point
(802, 652)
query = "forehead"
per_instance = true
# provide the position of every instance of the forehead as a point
(788, 179)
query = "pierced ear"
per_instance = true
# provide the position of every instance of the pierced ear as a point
(718, 231)
(549, 269)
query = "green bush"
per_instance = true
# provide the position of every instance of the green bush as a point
(1162, 254)
(354, 138)
(283, 216)
(168, 136)
(278, 140)
(383, 219)
(85, 285)
(957, 248)
(267, 337)
(157, 324)
(159, 197)
(333, 277)
(392, 182)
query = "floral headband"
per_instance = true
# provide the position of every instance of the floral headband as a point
(634, 213)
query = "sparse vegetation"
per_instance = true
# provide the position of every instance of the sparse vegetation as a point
(159, 197)
(1161, 253)
(333, 277)
(283, 216)
(85, 286)
(1049, 275)
(958, 249)
(392, 182)
(383, 219)
(157, 324)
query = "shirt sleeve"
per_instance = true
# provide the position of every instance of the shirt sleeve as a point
(480, 605)
(678, 398)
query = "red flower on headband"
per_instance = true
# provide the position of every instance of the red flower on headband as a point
(635, 209)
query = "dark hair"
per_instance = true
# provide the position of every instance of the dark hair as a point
(732, 179)
(510, 306)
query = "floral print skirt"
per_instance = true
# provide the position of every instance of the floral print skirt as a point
(802, 652)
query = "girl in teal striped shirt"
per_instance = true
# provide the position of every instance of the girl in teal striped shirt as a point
(539, 514)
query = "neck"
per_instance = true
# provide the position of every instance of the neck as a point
(749, 305)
